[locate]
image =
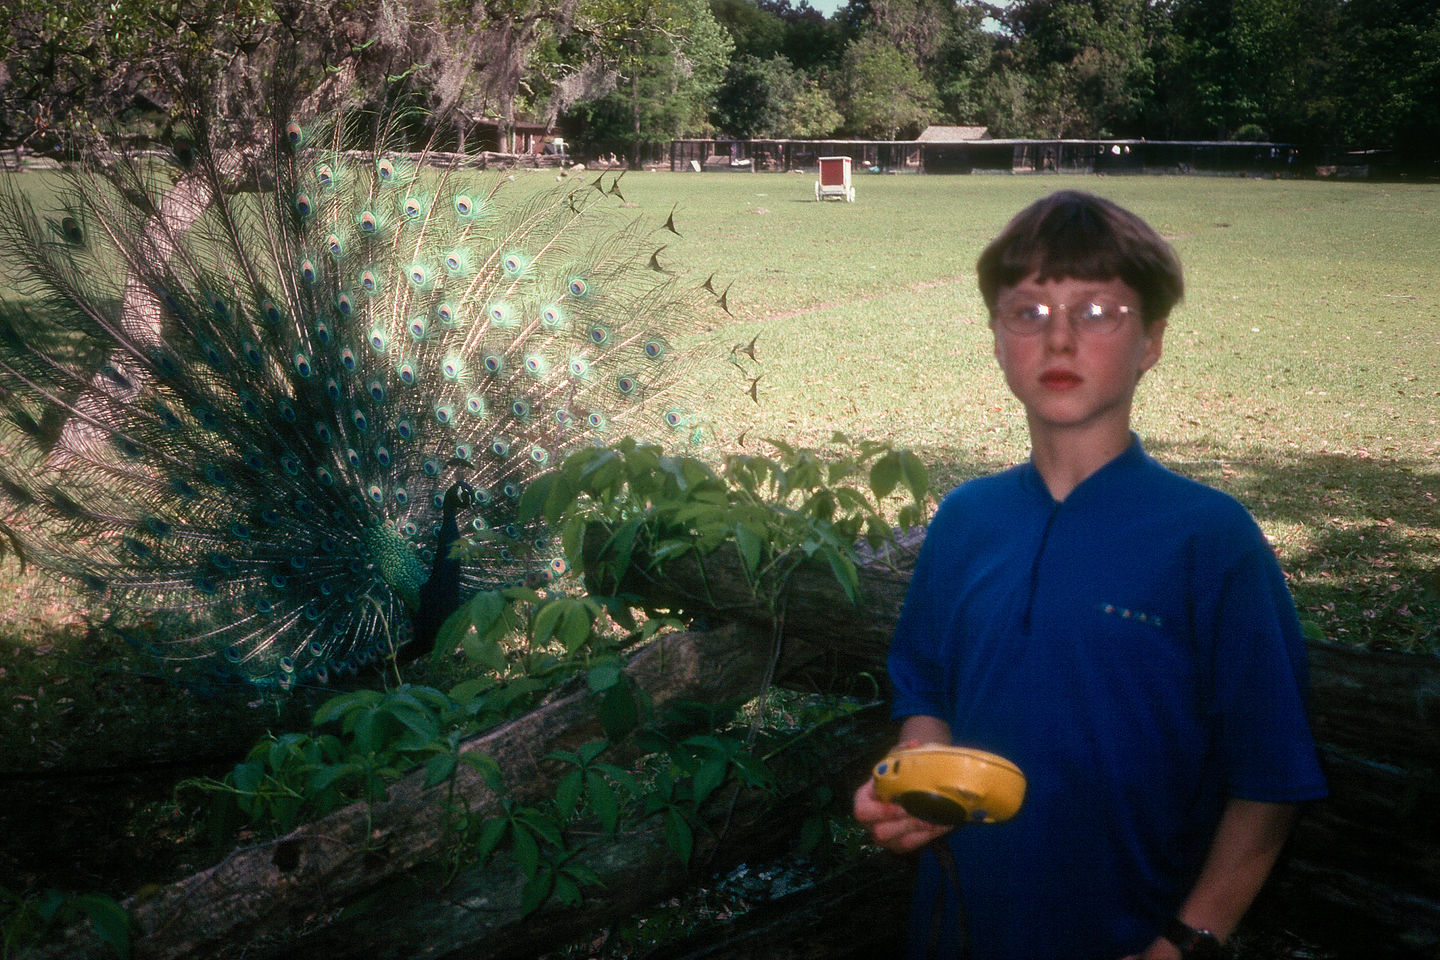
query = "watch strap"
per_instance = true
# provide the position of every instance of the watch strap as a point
(1193, 944)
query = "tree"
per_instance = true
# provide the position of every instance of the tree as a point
(667, 58)
(771, 99)
(883, 91)
(133, 62)
(1387, 72)
(1088, 62)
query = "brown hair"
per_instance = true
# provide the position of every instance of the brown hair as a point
(1085, 237)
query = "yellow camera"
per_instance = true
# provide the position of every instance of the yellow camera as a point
(951, 785)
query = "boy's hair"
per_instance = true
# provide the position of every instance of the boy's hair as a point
(1084, 237)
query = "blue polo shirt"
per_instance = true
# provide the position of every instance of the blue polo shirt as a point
(1134, 649)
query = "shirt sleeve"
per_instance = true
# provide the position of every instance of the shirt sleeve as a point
(915, 659)
(1260, 681)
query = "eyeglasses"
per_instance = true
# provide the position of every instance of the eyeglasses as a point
(1026, 318)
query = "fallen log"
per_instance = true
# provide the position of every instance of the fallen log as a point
(274, 889)
(1362, 873)
(478, 913)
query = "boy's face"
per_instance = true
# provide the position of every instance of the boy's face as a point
(1073, 351)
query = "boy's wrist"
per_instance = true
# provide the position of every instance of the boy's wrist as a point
(1193, 944)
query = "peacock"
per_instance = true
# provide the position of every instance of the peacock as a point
(253, 396)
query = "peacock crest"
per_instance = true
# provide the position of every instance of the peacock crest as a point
(252, 397)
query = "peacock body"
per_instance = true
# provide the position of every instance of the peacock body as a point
(253, 397)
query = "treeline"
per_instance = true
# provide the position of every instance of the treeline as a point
(613, 75)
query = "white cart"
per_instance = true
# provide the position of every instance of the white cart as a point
(834, 182)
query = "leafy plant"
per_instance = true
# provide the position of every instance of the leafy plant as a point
(29, 920)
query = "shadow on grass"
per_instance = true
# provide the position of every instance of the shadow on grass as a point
(1359, 537)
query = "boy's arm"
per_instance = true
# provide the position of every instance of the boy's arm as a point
(920, 730)
(888, 823)
(1246, 845)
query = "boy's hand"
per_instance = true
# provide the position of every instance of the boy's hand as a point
(889, 824)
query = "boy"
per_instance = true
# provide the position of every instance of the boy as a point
(1122, 634)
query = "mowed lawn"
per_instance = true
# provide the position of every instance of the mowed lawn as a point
(1302, 370)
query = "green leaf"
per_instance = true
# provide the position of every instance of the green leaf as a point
(747, 543)
(885, 475)
(486, 651)
(604, 676)
(439, 768)
(337, 707)
(327, 776)
(710, 775)
(537, 891)
(543, 825)
(812, 831)
(109, 920)
(603, 801)
(575, 623)
(547, 619)
(567, 794)
(584, 875)
(491, 834)
(845, 573)
(526, 850)
(486, 610)
(917, 478)
(455, 629)
(619, 709)
(679, 836)
(567, 891)
(534, 498)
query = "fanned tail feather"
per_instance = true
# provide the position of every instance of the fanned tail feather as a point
(240, 389)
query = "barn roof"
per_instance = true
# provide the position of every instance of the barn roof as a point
(942, 134)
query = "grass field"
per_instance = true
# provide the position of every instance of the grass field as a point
(1302, 371)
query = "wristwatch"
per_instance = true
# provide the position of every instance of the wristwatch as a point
(1194, 944)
